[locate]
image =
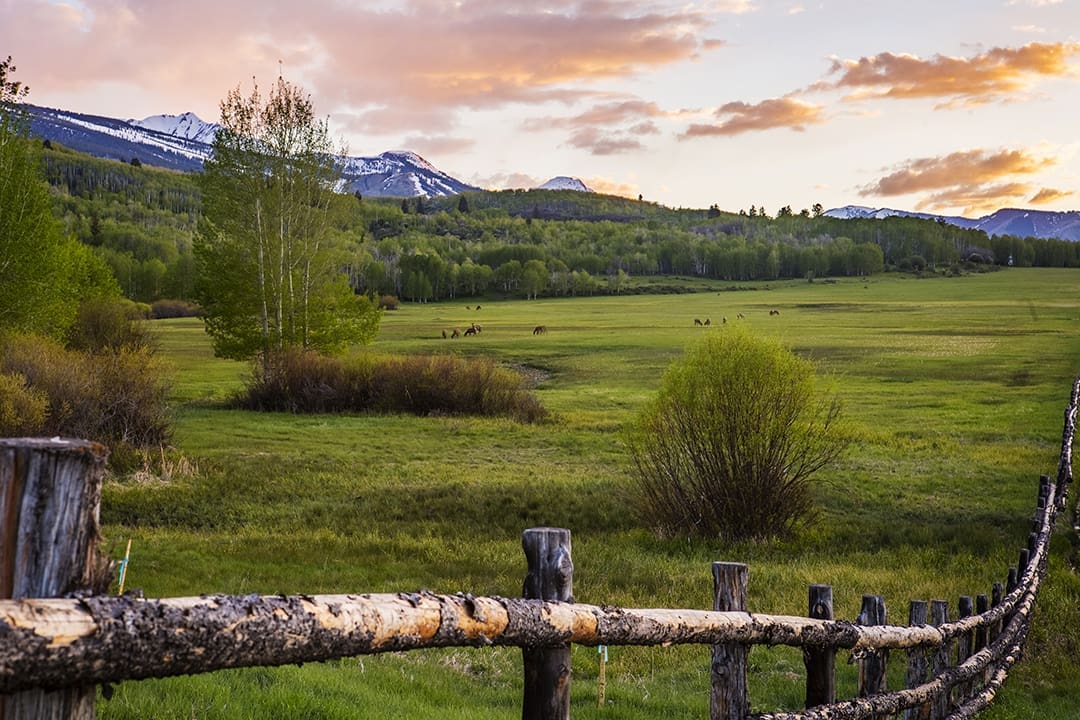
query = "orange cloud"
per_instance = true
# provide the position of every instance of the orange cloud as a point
(606, 186)
(1049, 195)
(968, 168)
(993, 75)
(740, 117)
(976, 200)
(976, 180)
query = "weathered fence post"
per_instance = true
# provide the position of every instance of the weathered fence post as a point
(939, 615)
(965, 608)
(872, 665)
(729, 699)
(547, 669)
(50, 496)
(917, 660)
(820, 662)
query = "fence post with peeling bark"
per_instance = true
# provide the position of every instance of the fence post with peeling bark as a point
(50, 492)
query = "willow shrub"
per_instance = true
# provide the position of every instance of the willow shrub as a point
(302, 381)
(114, 396)
(728, 446)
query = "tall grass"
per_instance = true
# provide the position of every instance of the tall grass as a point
(954, 389)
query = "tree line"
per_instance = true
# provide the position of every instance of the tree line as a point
(517, 243)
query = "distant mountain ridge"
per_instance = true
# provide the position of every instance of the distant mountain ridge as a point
(183, 143)
(1064, 225)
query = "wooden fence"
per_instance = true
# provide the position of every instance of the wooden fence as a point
(54, 650)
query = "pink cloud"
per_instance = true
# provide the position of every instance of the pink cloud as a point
(421, 59)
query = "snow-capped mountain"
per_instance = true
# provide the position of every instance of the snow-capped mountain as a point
(183, 142)
(1007, 221)
(562, 182)
(187, 126)
(117, 139)
(398, 173)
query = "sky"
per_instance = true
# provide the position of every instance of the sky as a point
(940, 106)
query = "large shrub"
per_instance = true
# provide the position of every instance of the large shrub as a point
(116, 397)
(728, 446)
(307, 382)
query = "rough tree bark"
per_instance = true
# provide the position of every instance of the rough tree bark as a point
(50, 494)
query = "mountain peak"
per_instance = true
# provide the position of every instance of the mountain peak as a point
(186, 125)
(564, 182)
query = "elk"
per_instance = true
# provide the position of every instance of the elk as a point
(539, 330)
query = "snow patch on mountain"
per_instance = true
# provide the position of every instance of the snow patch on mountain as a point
(187, 126)
(563, 182)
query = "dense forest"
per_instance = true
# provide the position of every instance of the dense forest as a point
(520, 243)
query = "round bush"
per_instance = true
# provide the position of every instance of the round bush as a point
(728, 446)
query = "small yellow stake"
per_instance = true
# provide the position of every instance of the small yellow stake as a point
(601, 681)
(123, 567)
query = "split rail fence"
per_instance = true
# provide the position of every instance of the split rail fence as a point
(55, 650)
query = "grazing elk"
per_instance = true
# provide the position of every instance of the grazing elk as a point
(723, 320)
(774, 312)
(707, 322)
(471, 330)
(455, 334)
(443, 334)
(696, 321)
(741, 316)
(539, 330)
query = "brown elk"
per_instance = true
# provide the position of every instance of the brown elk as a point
(539, 330)
(741, 316)
(774, 312)
(456, 333)
(696, 321)
(708, 322)
(470, 330)
(443, 334)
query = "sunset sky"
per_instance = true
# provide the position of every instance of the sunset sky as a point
(944, 106)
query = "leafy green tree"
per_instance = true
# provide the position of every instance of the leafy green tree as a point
(728, 446)
(270, 276)
(534, 278)
(44, 275)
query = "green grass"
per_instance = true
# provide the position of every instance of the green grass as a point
(955, 388)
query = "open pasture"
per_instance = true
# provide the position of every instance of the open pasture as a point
(954, 388)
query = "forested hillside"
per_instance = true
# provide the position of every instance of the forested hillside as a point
(521, 243)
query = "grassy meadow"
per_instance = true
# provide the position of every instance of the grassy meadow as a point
(954, 388)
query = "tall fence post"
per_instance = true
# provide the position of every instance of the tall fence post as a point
(939, 615)
(820, 662)
(50, 496)
(918, 663)
(729, 699)
(547, 669)
(872, 665)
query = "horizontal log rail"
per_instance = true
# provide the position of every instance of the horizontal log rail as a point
(93, 639)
